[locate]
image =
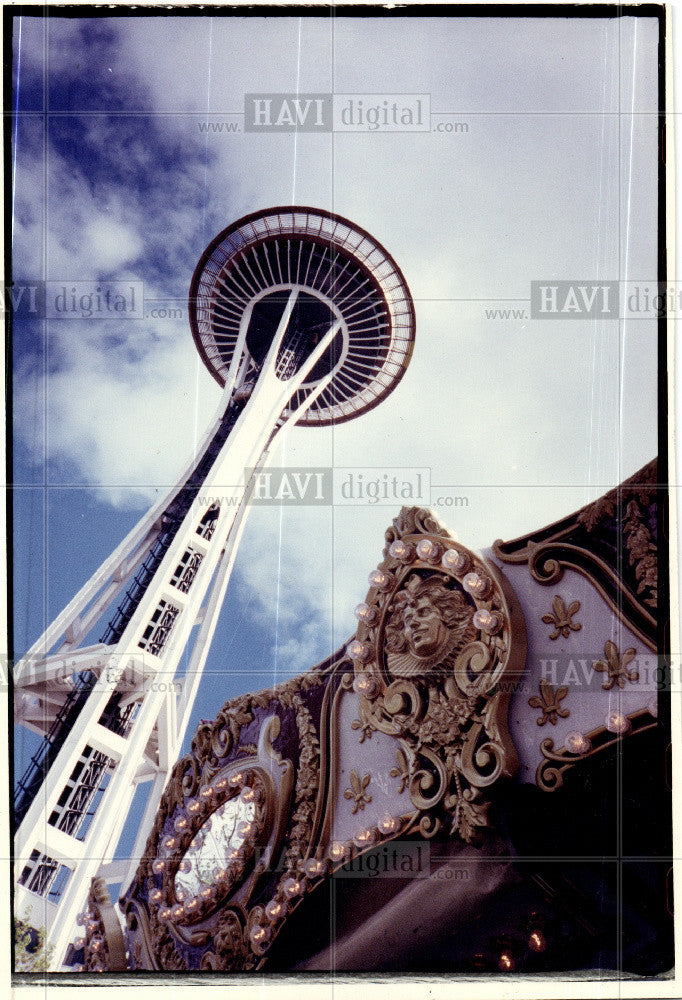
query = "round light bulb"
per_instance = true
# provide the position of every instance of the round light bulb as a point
(477, 586)
(617, 723)
(165, 914)
(221, 784)
(194, 806)
(259, 935)
(577, 743)
(207, 792)
(247, 795)
(366, 613)
(314, 867)
(357, 650)
(507, 963)
(168, 843)
(337, 851)
(292, 887)
(364, 837)
(159, 866)
(537, 942)
(365, 685)
(236, 779)
(487, 621)
(274, 909)
(400, 550)
(156, 895)
(388, 824)
(428, 551)
(181, 823)
(454, 560)
(380, 579)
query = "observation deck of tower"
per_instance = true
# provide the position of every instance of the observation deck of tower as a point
(328, 272)
(302, 318)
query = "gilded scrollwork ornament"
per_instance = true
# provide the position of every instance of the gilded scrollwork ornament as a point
(579, 747)
(232, 951)
(440, 645)
(577, 543)
(222, 819)
(245, 827)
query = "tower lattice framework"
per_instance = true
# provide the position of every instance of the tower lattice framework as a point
(303, 318)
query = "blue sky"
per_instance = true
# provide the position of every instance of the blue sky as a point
(554, 178)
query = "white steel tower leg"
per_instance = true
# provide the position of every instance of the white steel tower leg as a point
(302, 317)
(141, 664)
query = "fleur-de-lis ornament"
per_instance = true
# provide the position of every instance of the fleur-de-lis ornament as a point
(549, 703)
(402, 770)
(364, 727)
(615, 666)
(562, 618)
(357, 791)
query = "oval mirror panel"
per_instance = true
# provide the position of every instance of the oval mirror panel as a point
(214, 847)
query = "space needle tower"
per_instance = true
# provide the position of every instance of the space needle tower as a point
(302, 318)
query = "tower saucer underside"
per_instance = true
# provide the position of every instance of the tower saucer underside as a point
(245, 278)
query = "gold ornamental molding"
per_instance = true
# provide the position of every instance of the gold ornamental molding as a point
(245, 833)
(580, 747)
(275, 795)
(575, 543)
(439, 649)
(220, 828)
(103, 941)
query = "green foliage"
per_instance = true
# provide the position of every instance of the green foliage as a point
(31, 954)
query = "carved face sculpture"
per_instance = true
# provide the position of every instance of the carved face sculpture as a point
(428, 622)
(425, 629)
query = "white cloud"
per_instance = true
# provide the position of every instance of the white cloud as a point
(123, 417)
(110, 242)
(522, 417)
